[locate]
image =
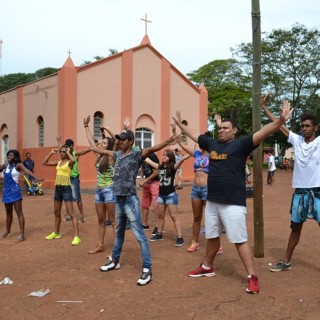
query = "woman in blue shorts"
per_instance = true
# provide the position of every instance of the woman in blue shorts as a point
(104, 197)
(168, 198)
(199, 190)
(62, 192)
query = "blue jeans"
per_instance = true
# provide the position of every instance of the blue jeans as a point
(128, 208)
(75, 187)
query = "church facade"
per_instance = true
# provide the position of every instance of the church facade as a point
(139, 83)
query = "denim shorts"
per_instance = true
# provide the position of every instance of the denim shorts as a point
(75, 187)
(104, 195)
(303, 206)
(199, 193)
(171, 198)
(63, 193)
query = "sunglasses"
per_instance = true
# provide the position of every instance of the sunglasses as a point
(63, 151)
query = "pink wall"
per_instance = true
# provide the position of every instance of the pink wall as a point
(139, 83)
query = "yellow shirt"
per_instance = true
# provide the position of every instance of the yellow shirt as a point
(63, 174)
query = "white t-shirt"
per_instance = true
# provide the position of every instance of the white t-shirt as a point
(306, 172)
(271, 163)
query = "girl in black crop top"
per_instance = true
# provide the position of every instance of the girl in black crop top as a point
(168, 197)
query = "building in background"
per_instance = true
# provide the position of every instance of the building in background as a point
(139, 83)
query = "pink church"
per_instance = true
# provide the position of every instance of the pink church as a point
(139, 83)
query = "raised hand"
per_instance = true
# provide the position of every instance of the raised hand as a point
(264, 99)
(173, 128)
(217, 119)
(126, 122)
(285, 111)
(86, 121)
(177, 118)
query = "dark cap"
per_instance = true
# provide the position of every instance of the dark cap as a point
(69, 142)
(125, 134)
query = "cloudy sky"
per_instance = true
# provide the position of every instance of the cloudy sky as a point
(189, 33)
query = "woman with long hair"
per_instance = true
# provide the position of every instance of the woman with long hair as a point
(104, 197)
(168, 197)
(12, 196)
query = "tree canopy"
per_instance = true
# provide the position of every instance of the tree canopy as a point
(13, 80)
(290, 70)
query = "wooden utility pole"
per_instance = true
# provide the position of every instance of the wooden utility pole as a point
(256, 125)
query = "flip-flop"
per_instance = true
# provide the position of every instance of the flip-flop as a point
(20, 239)
(5, 235)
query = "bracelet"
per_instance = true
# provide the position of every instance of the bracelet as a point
(86, 126)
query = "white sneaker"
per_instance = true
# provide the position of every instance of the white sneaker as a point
(145, 278)
(110, 265)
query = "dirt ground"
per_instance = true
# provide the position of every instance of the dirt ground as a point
(73, 275)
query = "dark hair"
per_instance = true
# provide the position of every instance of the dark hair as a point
(69, 142)
(233, 122)
(103, 160)
(16, 153)
(64, 146)
(310, 117)
(172, 161)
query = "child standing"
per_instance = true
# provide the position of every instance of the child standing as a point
(168, 197)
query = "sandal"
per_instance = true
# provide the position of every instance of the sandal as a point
(20, 239)
(5, 235)
(67, 218)
(98, 248)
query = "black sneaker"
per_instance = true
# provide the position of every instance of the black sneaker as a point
(111, 264)
(155, 230)
(145, 278)
(145, 227)
(179, 242)
(156, 237)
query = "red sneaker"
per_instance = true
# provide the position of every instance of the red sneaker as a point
(202, 272)
(252, 284)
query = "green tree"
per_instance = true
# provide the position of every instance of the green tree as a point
(44, 72)
(290, 68)
(14, 80)
(229, 91)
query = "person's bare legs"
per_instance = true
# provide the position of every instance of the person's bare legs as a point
(57, 215)
(80, 207)
(197, 208)
(145, 216)
(18, 208)
(173, 211)
(161, 216)
(294, 238)
(212, 248)
(9, 219)
(246, 256)
(101, 210)
(70, 211)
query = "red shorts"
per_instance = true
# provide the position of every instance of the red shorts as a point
(150, 192)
